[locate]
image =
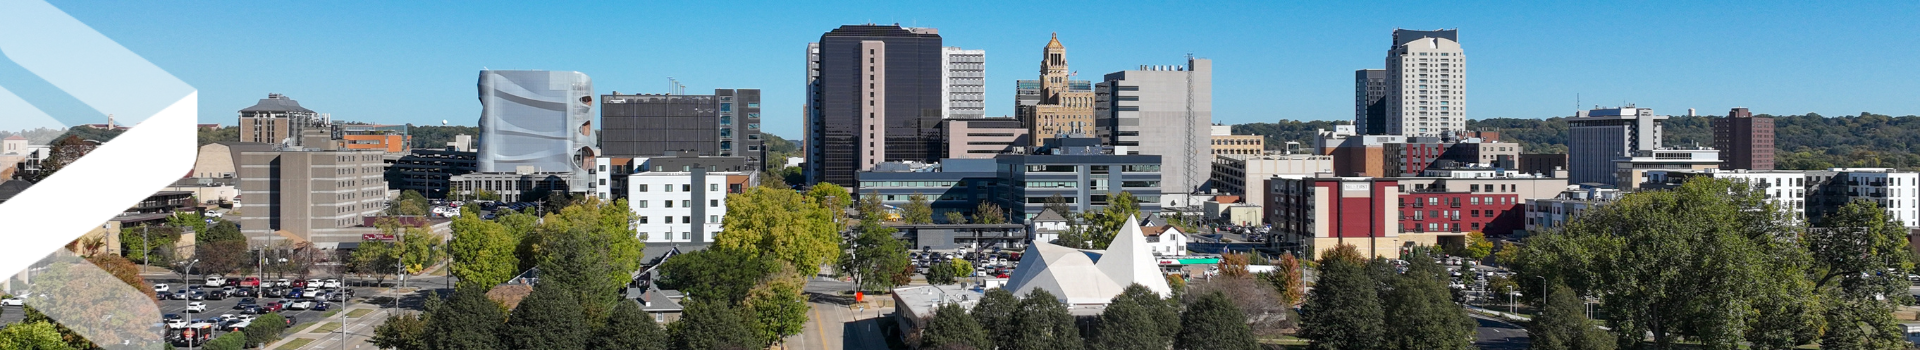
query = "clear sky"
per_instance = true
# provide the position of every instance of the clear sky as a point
(417, 61)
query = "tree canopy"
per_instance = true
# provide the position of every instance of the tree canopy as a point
(1214, 323)
(781, 224)
(1343, 311)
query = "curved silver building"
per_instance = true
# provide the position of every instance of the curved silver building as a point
(537, 119)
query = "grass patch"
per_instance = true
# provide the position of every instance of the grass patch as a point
(330, 313)
(328, 327)
(358, 313)
(296, 343)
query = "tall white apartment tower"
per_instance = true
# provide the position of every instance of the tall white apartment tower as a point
(1165, 111)
(963, 83)
(1426, 83)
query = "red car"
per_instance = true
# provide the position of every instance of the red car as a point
(274, 306)
(250, 282)
(298, 283)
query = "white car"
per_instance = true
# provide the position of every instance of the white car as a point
(300, 305)
(225, 317)
(15, 301)
(161, 288)
(310, 293)
(330, 283)
(245, 318)
(196, 307)
(216, 281)
(176, 323)
(314, 283)
(283, 283)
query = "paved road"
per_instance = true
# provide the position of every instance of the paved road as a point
(1494, 334)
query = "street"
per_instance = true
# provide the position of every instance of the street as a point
(1489, 333)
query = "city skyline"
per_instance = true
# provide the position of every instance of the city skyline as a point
(394, 67)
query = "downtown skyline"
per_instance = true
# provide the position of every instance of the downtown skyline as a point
(382, 63)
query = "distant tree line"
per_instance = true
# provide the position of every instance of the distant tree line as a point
(1806, 141)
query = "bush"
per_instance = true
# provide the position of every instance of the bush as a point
(229, 341)
(264, 330)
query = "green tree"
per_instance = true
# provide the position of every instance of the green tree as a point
(876, 257)
(989, 213)
(961, 267)
(468, 321)
(951, 327)
(375, 258)
(1137, 319)
(716, 274)
(1862, 324)
(403, 331)
(409, 203)
(834, 198)
(711, 325)
(870, 208)
(918, 210)
(32, 336)
(265, 330)
(1421, 309)
(995, 312)
(1343, 311)
(1095, 230)
(781, 224)
(1478, 247)
(589, 246)
(1855, 252)
(482, 250)
(549, 318)
(954, 217)
(1563, 325)
(1214, 323)
(776, 307)
(629, 328)
(1043, 323)
(1506, 254)
(1645, 256)
(941, 274)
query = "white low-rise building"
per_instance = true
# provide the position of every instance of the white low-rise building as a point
(1165, 240)
(682, 206)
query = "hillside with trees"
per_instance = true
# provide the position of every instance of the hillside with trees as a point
(1808, 141)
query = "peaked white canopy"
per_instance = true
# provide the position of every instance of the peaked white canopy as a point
(1075, 277)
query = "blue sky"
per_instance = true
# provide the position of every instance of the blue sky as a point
(417, 61)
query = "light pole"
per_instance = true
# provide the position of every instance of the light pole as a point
(1543, 294)
(146, 252)
(190, 340)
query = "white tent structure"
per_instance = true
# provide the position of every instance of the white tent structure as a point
(1128, 260)
(1075, 277)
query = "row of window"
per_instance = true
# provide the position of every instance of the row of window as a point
(684, 203)
(711, 219)
(683, 187)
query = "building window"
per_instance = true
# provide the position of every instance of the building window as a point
(713, 203)
(686, 188)
(643, 187)
(669, 203)
(713, 219)
(686, 219)
(713, 187)
(686, 203)
(643, 219)
(686, 236)
(643, 205)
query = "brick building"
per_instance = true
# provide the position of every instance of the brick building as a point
(1744, 141)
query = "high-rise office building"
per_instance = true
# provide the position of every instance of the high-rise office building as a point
(726, 124)
(1165, 111)
(1063, 105)
(1600, 136)
(963, 83)
(1744, 141)
(874, 95)
(275, 119)
(1369, 101)
(1426, 83)
(538, 119)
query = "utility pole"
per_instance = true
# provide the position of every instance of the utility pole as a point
(146, 253)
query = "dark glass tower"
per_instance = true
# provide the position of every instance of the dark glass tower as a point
(873, 96)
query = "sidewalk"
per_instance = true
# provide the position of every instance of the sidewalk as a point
(1502, 314)
(324, 334)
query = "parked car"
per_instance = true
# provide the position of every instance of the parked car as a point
(14, 301)
(178, 295)
(300, 305)
(274, 306)
(215, 281)
(309, 294)
(237, 325)
(319, 306)
(245, 302)
(254, 310)
(274, 292)
(282, 283)
(216, 295)
(174, 321)
(250, 282)
(197, 295)
(196, 307)
(161, 288)
(330, 283)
